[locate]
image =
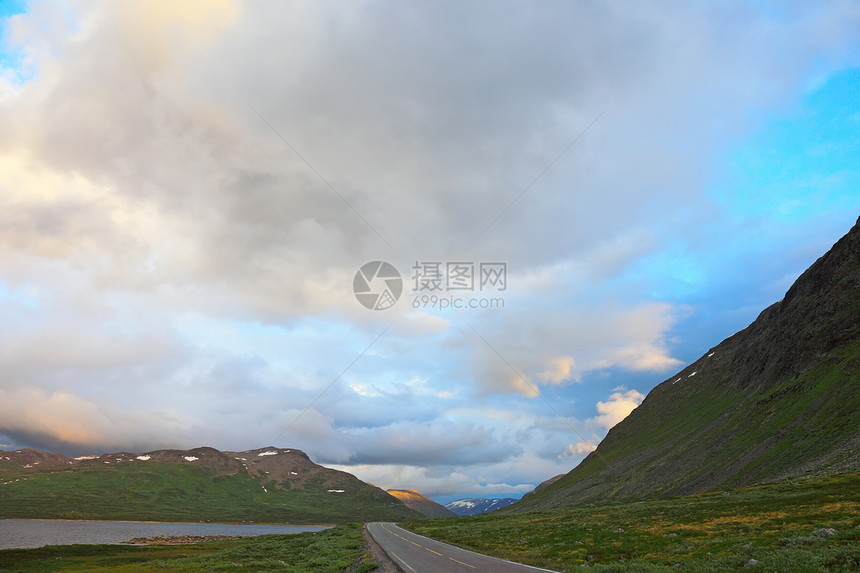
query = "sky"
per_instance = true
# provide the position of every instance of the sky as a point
(576, 199)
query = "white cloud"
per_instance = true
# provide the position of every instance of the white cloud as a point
(618, 407)
(524, 349)
(578, 449)
(558, 369)
(173, 273)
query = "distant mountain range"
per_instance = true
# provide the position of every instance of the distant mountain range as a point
(421, 503)
(778, 400)
(477, 506)
(266, 485)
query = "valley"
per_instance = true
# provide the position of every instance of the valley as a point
(746, 458)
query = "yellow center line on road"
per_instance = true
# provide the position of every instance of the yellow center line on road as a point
(427, 548)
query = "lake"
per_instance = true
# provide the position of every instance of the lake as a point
(23, 533)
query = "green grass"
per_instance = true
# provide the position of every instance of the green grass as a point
(177, 492)
(332, 550)
(779, 526)
(774, 525)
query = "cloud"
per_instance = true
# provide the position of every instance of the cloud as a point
(609, 413)
(188, 192)
(520, 351)
(165, 125)
(69, 422)
(578, 450)
(558, 369)
(618, 407)
(523, 473)
(61, 416)
(428, 445)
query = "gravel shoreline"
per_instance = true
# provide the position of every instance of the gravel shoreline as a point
(179, 539)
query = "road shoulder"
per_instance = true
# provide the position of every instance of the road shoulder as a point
(378, 554)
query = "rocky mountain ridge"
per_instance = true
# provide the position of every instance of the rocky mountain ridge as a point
(291, 465)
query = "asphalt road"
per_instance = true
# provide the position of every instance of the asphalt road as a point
(418, 554)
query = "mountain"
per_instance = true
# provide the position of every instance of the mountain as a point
(421, 503)
(779, 399)
(477, 506)
(203, 484)
(543, 485)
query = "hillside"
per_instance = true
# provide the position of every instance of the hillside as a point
(203, 484)
(420, 503)
(799, 526)
(779, 399)
(542, 485)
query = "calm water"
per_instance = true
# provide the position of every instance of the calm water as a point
(19, 533)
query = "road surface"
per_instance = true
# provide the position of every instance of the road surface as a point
(418, 554)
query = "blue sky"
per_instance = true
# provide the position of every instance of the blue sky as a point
(189, 193)
(10, 58)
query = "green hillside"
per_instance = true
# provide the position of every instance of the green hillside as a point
(779, 399)
(800, 526)
(164, 486)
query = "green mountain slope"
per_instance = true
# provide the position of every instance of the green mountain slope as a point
(269, 485)
(779, 399)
